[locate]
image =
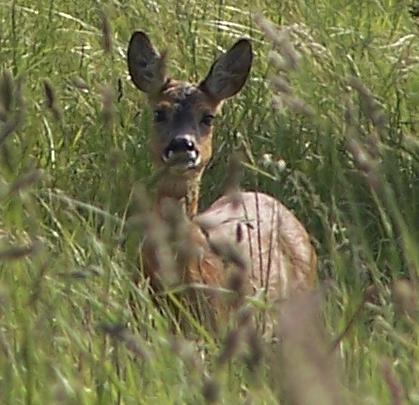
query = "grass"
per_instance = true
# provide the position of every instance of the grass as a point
(73, 134)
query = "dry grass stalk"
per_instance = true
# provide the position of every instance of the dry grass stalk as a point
(108, 110)
(395, 388)
(312, 372)
(106, 33)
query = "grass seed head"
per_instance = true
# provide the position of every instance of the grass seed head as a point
(120, 333)
(51, 101)
(108, 110)
(229, 252)
(6, 94)
(281, 41)
(298, 105)
(369, 104)
(230, 347)
(19, 252)
(211, 391)
(405, 297)
(394, 386)
(280, 84)
(25, 181)
(79, 83)
(255, 354)
(312, 370)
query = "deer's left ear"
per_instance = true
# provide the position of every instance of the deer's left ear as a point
(229, 72)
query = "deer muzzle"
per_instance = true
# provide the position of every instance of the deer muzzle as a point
(182, 153)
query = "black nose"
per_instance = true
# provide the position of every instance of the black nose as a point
(181, 145)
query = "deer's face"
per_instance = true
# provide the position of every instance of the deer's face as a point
(184, 113)
(183, 116)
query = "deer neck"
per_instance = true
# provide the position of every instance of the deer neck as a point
(181, 191)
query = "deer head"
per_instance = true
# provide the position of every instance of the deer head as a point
(181, 141)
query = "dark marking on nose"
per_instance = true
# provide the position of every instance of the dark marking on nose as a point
(181, 145)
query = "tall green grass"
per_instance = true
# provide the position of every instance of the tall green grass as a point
(73, 145)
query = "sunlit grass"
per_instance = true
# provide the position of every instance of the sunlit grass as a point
(73, 146)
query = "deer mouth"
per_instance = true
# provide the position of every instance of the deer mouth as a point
(186, 160)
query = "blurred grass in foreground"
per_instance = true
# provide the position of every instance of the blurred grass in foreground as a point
(335, 138)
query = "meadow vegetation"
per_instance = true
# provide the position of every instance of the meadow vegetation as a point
(327, 123)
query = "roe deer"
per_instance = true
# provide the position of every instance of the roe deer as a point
(280, 258)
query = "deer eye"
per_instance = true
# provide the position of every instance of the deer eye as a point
(207, 119)
(160, 115)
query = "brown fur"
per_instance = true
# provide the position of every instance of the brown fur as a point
(254, 233)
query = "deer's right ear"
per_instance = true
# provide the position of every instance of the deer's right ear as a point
(146, 66)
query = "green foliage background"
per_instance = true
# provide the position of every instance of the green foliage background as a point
(67, 175)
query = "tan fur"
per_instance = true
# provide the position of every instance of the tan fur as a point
(267, 244)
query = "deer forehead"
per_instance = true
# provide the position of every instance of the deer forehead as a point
(184, 95)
